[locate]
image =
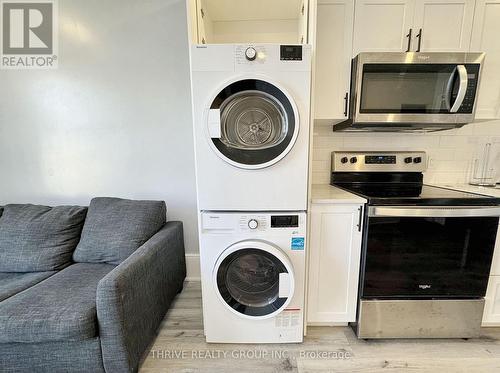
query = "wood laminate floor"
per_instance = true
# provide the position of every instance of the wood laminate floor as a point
(180, 347)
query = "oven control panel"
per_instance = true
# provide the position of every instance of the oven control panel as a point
(356, 161)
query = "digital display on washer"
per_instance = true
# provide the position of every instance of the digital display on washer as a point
(380, 159)
(284, 221)
(291, 53)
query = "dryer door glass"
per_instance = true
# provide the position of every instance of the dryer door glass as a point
(257, 123)
(248, 281)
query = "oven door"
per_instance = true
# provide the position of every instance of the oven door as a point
(419, 252)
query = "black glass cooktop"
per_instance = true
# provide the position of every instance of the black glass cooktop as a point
(414, 194)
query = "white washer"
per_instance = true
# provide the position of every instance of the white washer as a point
(252, 273)
(251, 124)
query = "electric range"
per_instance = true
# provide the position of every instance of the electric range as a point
(427, 250)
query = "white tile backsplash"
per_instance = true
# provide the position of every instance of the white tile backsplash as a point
(450, 152)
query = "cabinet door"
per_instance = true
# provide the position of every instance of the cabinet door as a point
(444, 25)
(485, 36)
(333, 57)
(491, 316)
(192, 19)
(303, 22)
(335, 249)
(382, 26)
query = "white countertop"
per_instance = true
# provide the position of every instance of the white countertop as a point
(488, 191)
(325, 194)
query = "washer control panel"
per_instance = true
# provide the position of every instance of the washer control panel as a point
(253, 222)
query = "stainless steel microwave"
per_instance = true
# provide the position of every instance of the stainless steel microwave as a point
(412, 91)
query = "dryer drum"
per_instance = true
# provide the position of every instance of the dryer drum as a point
(253, 120)
(258, 123)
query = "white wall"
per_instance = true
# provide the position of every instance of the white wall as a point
(113, 120)
(450, 152)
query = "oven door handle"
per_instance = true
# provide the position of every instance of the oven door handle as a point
(433, 212)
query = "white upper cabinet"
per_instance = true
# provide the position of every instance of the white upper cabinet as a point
(443, 25)
(382, 25)
(333, 63)
(256, 21)
(485, 38)
(413, 25)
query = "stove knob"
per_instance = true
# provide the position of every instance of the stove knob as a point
(354, 160)
(408, 160)
(253, 224)
(417, 160)
(344, 160)
(251, 54)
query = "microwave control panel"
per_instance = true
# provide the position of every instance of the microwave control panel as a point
(470, 96)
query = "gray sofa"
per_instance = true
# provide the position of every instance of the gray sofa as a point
(85, 289)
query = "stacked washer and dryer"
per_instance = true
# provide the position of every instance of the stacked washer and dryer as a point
(251, 125)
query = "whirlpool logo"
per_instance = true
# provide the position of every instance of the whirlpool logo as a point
(424, 286)
(29, 34)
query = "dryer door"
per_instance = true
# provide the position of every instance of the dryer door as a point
(252, 124)
(254, 279)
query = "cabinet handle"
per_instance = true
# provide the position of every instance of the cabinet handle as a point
(360, 221)
(346, 103)
(419, 36)
(409, 40)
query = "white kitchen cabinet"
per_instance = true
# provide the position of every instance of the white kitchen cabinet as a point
(256, 21)
(382, 25)
(404, 25)
(333, 57)
(443, 25)
(491, 315)
(335, 250)
(485, 38)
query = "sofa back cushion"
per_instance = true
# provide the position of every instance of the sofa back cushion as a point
(115, 228)
(39, 238)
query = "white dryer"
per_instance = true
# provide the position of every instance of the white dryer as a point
(251, 124)
(252, 272)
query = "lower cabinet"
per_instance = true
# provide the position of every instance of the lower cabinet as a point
(335, 250)
(491, 316)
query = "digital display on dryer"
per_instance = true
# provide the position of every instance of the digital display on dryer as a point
(291, 53)
(284, 221)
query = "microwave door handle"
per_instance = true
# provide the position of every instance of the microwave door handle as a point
(462, 88)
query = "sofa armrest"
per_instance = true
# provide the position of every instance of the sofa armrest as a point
(133, 298)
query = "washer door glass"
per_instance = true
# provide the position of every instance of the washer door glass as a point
(248, 281)
(257, 123)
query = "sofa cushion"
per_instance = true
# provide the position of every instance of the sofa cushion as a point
(63, 307)
(39, 238)
(13, 283)
(115, 228)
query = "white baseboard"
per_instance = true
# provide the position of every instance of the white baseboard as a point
(193, 267)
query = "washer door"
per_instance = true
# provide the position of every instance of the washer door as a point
(252, 124)
(254, 279)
